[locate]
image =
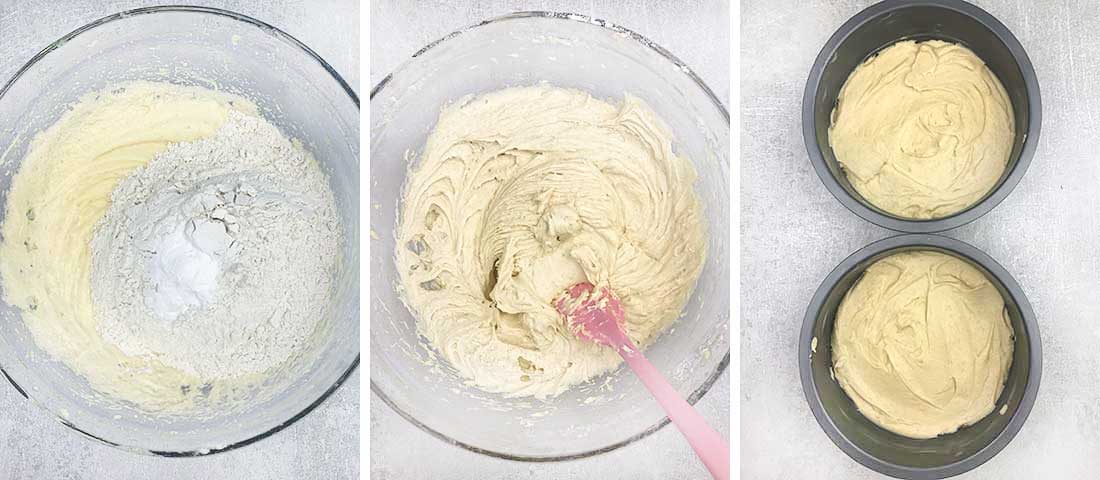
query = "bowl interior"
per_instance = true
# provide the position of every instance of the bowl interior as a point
(295, 91)
(919, 23)
(564, 51)
(890, 447)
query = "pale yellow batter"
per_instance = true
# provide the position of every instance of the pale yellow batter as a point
(923, 130)
(922, 344)
(523, 192)
(62, 189)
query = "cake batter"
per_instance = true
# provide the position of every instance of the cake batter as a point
(923, 130)
(523, 192)
(922, 344)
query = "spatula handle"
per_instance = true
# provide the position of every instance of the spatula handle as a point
(711, 448)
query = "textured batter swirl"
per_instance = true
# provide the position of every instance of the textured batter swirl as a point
(523, 192)
(923, 130)
(922, 344)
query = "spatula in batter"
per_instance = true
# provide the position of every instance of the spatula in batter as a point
(597, 317)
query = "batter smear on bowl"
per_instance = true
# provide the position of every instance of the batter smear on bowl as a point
(523, 192)
(169, 245)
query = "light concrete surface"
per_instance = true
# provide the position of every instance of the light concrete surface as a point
(698, 33)
(322, 445)
(794, 233)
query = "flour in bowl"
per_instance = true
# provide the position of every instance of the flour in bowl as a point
(216, 258)
(170, 246)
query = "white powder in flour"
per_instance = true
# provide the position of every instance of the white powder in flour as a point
(217, 257)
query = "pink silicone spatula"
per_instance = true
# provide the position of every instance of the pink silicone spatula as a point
(598, 318)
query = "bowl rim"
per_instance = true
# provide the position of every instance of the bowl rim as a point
(1035, 357)
(682, 67)
(279, 34)
(993, 198)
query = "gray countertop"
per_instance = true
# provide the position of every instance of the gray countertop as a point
(794, 232)
(698, 33)
(324, 444)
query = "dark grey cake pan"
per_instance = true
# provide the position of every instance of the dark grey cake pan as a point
(889, 22)
(884, 451)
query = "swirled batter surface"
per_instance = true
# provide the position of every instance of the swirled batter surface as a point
(922, 344)
(521, 193)
(923, 130)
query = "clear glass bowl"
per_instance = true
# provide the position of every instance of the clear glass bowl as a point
(294, 89)
(565, 50)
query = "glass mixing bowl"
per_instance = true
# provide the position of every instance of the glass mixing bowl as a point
(295, 90)
(569, 51)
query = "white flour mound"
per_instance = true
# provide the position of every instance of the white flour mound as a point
(217, 257)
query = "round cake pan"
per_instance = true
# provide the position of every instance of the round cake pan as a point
(884, 451)
(889, 22)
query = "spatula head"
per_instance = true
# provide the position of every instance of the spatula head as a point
(593, 314)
